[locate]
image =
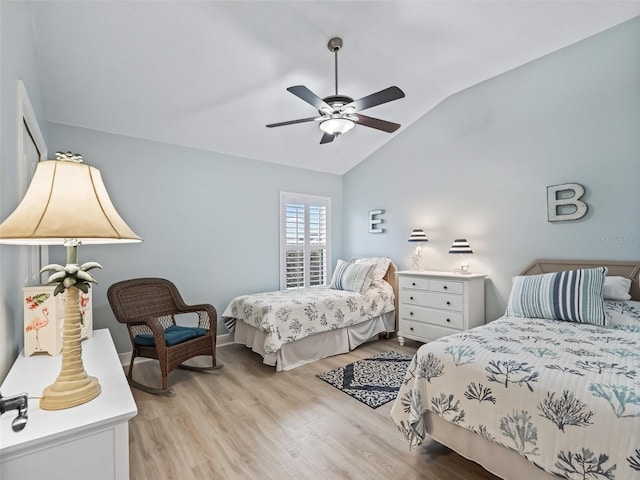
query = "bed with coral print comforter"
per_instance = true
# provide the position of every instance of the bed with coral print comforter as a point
(566, 396)
(290, 315)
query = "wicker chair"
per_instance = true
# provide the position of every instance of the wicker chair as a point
(148, 307)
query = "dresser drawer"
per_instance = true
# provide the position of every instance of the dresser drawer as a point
(423, 331)
(430, 299)
(443, 318)
(417, 283)
(434, 304)
(446, 286)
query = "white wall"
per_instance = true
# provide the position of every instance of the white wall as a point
(477, 166)
(209, 221)
(17, 62)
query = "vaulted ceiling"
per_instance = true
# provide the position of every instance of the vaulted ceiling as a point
(211, 74)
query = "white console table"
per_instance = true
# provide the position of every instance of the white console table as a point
(87, 441)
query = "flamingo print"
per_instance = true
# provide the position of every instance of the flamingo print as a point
(38, 323)
(84, 301)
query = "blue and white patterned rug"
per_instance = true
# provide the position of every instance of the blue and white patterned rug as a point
(373, 381)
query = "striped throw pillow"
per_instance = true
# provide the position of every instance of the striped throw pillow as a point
(355, 277)
(573, 296)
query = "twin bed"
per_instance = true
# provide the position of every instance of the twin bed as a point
(290, 328)
(531, 397)
(551, 389)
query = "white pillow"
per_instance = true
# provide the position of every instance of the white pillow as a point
(352, 276)
(617, 288)
(381, 266)
(623, 315)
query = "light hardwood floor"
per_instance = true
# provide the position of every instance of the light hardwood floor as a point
(248, 421)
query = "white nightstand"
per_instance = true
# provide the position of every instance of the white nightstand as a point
(87, 441)
(435, 304)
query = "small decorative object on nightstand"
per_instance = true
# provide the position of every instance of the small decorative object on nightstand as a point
(435, 304)
(417, 235)
(461, 247)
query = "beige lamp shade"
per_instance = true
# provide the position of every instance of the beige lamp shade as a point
(65, 200)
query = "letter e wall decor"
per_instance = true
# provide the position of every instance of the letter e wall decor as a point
(374, 222)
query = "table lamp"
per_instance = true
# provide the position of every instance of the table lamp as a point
(417, 235)
(67, 204)
(461, 247)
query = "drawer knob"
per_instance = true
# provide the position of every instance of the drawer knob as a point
(411, 313)
(445, 287)
(413, 284)
(448, 319)
(448, 303)
(411, 328)
(410, 298)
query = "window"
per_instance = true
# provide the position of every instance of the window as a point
(304, 240)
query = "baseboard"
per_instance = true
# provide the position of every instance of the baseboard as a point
(224, 340)
(221, 341)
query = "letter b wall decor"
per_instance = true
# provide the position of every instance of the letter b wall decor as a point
(563, 202)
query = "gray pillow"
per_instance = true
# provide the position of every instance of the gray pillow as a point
(355, 277)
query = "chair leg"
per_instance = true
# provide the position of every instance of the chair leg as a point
(215, 366)
(201, 369)
(140, 386)
(130, 374)
(168, 392)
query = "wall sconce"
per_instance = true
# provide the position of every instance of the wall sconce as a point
(417, 235)
(461, 247)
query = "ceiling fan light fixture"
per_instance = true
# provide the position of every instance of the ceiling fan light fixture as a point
(336, 126)
(339, 113)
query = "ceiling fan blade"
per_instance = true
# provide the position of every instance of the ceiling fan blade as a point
(376, 123)
(378, 98)
(291, 122)
(326, 138)
(308, 96)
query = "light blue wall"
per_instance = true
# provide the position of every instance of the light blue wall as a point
(209, 221)
(477, 166)
(17, 62)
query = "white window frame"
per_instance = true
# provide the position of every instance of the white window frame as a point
(307, 200)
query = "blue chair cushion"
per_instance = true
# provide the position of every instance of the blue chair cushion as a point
(173, 335)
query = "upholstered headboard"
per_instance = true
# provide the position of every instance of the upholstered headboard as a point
(392, 278)
(628, 269)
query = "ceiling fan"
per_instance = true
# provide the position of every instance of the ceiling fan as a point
(339, 113)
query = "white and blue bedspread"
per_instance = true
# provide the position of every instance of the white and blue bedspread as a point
(289, 315)
(564, 395)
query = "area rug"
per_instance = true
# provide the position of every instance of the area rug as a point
(374, 381)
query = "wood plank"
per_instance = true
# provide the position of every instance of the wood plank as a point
(249, 421)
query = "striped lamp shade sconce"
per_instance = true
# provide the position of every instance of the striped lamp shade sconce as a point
(461, 247)
(417, 235)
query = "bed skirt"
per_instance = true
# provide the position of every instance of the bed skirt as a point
(314, 347)
(500, 461)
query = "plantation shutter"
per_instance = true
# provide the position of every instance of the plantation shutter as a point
(304, 240)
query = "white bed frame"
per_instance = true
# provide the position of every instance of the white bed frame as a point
(500, 461)
(321, 345)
